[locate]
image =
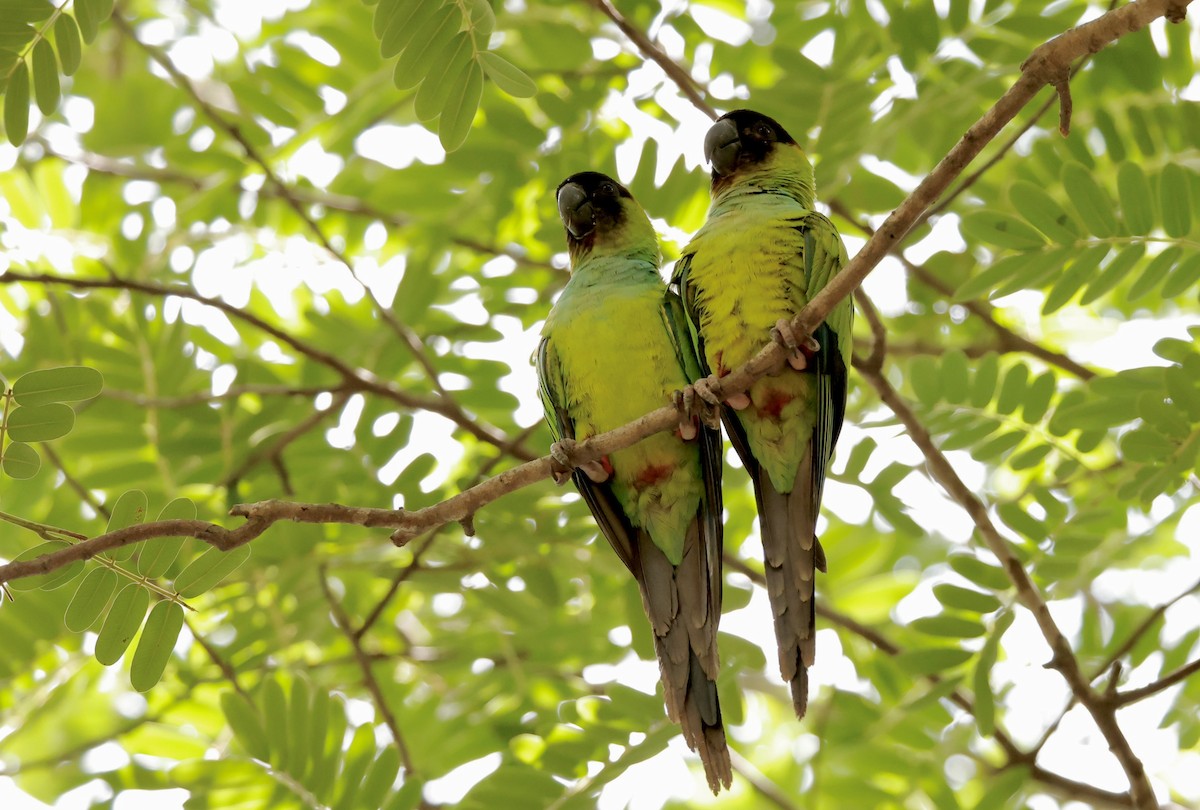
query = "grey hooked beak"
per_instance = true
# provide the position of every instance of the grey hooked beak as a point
(576, 211)
(722, 146)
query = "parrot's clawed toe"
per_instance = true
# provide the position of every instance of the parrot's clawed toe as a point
(800, 351)
(562, 464)
(694, 407)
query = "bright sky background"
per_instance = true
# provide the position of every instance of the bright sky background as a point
(226, 270)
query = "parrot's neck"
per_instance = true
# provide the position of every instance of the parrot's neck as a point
(789, 175)
(601, 268)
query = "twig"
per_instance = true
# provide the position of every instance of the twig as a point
(226, 668)
(274, 451)
(353, 379)
(83, 492)
(1139, 631)
(1166, 682)
(761, 784)
(1063, 660)
(364, 663)
(686, 84)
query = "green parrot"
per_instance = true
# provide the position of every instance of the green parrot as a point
(614, 347)
(763, 252)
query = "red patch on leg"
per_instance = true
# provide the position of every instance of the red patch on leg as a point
(607, 465)
(653, 474)
(721, 370)
(773, 403)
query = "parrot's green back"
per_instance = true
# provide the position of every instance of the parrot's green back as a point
(761, 255)
(615, 347)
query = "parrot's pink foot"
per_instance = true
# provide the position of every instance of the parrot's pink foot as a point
(693, 408)
(562, 464)
(704, 390)
(799, 351)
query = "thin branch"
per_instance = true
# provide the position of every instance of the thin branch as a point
(83, 492)
(1063, 660)
(1139, 631)
(763, 786)
(879, 344)
(353, 379)
(227, 670)
(274, 451)
(233, 392)
(406, 334)
(683, 80)
(1166, 682)
(364, 663)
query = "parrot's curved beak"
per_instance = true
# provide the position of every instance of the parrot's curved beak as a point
(722, 146)
(576, 210)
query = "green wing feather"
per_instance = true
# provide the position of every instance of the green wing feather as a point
(600, 498)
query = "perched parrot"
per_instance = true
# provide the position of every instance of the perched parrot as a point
(614, 347)
(763, 252)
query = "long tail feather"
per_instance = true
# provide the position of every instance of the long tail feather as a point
(793, 556)
(677, 603)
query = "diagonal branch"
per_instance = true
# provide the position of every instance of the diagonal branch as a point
(1103, 712)
(1166, 682)
(683, 80)
(364, 663)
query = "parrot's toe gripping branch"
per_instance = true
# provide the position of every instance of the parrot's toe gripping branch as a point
(562, 464)
(799, 351)
(692, 406)
(704, 390)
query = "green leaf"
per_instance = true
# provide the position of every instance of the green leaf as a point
(1012, 391)
(1000, 229)
(1136, 203)
(979, 572)
(155, 646)
(90, 599)
(16, 105)
(45, 77)
(1176, 200)
(983, 383)
(40, 423)
(1071, 281)
(927, 660)
(20, 461)
(122, 623)
(481, 21)
(1041, 211)
(924, 378)
(859, 456)
(1183, 277)
(954, 596)
(1112, 275)
(998, 446)
(26, 10)
(1154, 273)
(460, 108)
(87, 13)
(299, 712)
(64, 384)
(1091, 201)
(244, 719)
(985, 704)
(417, 60)
(985, 282)
(156, 555)
(1029, 458)
(1020, 521)
(948, 626)
(507, 76)
(274, 705)
(380, 778)
(954, 376)
(129, 510)
(437, 85)
(51, 579)
(1145, 445)
(385, 10)
(204, 572)
(70, 49)
(405, 24)
(1037, 397)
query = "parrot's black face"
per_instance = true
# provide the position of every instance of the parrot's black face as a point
(590, 203)
(742, 138)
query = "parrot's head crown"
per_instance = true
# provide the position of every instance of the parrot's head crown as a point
(600, 215)
(747, 147)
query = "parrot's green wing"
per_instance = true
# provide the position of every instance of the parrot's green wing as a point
(600, 498)
(678, 327)
(824, 257)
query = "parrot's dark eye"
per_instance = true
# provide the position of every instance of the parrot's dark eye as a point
(609, 189)
(763, 130)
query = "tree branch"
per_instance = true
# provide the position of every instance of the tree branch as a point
(683, 80)
(353, 379)
(1166, 682)
(1063, 660)
(364, 663)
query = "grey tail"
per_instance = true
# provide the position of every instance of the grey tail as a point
(792, 557)
(684, 612)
